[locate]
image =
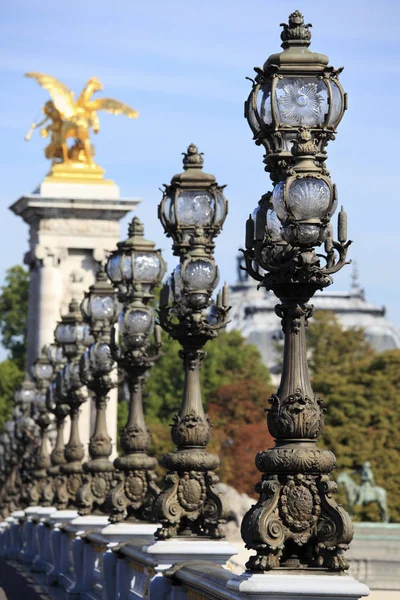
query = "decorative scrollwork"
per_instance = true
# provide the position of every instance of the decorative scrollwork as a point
(296, 416)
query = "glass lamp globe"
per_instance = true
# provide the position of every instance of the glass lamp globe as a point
(55, 354)
(99, 303)
(200, 275)
(304, 205)
(135, 323)
(306, 93)
(42, 369)
(70, 331)
(101, 358)
(192, 199)
(136, 261)
(273, 226)
(176, 282)
(26, 392)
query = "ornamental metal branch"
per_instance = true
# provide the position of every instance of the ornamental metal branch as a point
(190, 504)
(96, 370)
(134, 489)
(296, 523)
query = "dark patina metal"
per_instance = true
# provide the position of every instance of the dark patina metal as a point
(190, 504)
(296, 522)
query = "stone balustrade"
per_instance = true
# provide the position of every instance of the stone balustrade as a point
(93, 560)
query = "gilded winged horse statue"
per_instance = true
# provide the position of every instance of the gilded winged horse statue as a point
(67, 118)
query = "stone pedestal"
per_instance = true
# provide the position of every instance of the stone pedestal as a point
(73, 566)
(59, 558)
(169, 552)
(95, 563)
(374, 555)
(72, 227)
(180, 550)
(28, 546)
(282, 586)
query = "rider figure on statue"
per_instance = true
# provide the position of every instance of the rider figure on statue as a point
(367, 482)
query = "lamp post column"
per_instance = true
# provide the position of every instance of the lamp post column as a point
(73, 335)
(99, 310)
(192, 212)
(135, 268)
(293, 109)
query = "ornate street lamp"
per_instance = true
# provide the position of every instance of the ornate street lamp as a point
(193, 199)
(60, 411)
(295, 88)
(293, 109)
(8, 491)
(41, 492)
(72, 334)
(26, 438)
(134, 493)
(192, 212)
(135, 261)
(99, 310)
(19, 432)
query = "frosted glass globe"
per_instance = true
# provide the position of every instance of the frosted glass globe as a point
(137, 321)
(200, 275)
(43, 371)
(309, 198)
(274, 226)
(146, 267)
(278, 201)
(195, 208)
(102, 307)
(302, 101)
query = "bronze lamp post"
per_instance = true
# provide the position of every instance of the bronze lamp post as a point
(25, 434)
(192, 212)
(42, 492)
(72, 335)
(136, 268)
(293, 109)
(99, 309)
(60, 411)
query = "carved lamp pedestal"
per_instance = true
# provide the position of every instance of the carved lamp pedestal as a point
(192, 212)
(136, 268)
(293, 109)
(99, 309)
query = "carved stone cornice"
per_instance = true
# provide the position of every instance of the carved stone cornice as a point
(44, 256)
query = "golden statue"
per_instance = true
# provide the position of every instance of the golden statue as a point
(66, 118)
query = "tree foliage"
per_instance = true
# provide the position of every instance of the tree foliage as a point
(235, 387)
(229, 359)
(10, 378)
(14, 313)
(361, 391)
(240, 430)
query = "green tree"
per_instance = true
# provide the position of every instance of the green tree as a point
(14, 313)
(361, 391)
(10, 378)
(240, 431)
(229, 359)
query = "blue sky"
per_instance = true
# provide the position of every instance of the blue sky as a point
(183, 64)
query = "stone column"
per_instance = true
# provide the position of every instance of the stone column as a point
(45, 297)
